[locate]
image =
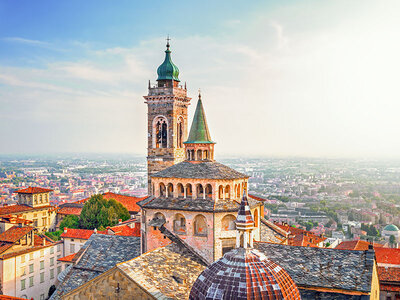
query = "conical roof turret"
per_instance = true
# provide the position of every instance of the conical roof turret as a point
(199, 132)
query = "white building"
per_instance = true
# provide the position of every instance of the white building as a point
(28, 263)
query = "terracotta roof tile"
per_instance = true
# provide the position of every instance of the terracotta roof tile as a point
(76, 211)
(389, 274)
(12, 209)
(356, 245)
(67, 258)
(34, 190)
(5, 297)
(73, 233)
(125, 230)
(387, 255)
(14, 234)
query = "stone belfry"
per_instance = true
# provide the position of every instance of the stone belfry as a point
(167, 118)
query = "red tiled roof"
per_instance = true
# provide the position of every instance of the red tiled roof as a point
(70, 211)
(356, 245)
(389, 274)
(14, 234)
(5, 297)
(387, 255)
(390, 288)
(257, 198)
(33, 190)
(125, 230)
(73, 233)
(301, 237)
(128, 201)
(12, 209)
(67, 258)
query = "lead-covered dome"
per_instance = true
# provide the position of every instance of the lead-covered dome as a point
(244, 274)
(168, 70)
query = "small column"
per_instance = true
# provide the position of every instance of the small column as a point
(184, 192)
(245, 239)
(237, 239)
(251, 238)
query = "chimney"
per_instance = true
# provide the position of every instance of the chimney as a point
(119, 221)
(65, 229)
(95, 230)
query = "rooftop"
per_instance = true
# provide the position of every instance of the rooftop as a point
(12, 209)
(199, 132)
(169, 271)
(204, 205)
(200, 170)
(15, 233)
(99, 254)
(67, 258)
(34, 190)
(323, 267)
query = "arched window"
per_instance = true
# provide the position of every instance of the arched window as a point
(170, 190)
(228, 222)
(161, 132)
(180, 224)
(179, 133)
(199, 191)
(191, 154)
(205, 155)
(162, 189)
(200, 225)
(188, 155)
(159, 216)
(208, 191)
(199, 155)
(221, 192)
(189, 191)
(256, 217)
(181, 192)
(227, 192)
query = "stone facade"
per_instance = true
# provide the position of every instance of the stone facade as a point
(113, 284)
(167, 106)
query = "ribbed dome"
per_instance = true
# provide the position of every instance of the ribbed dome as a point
(168, 70)
(244, 274)
(391, 227)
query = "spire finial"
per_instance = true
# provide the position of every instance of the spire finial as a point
(168, 39)
(199, 94)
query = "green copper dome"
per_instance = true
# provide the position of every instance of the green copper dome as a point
(391, 227)
(168, 70)
(199, 131)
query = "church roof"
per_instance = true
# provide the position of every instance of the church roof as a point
(99, 254)
(203, 205)
(322, 267)
(200, 170)
(199, 132)
(244, 274)
(166, 273)
(168, 70)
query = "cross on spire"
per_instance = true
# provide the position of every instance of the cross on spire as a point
(168, 39)
(199, 94)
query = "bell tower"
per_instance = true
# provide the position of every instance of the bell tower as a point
(167, 118)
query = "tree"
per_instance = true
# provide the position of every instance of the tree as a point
(102, 212)
(392, 240)
(70, 221)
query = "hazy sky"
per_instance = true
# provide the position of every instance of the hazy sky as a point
(308, 78)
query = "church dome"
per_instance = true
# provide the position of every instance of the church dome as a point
(168, 70)
(244, 274)
(391, 227)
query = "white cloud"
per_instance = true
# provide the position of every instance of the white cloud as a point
(275, 87)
